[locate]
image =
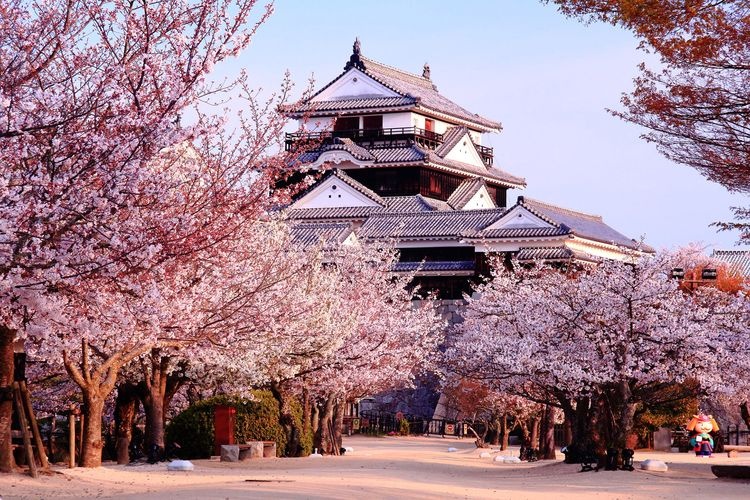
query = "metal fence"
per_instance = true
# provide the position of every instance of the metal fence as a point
(734, 435)
(389, 423)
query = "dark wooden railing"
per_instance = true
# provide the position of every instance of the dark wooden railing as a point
(486, 154)
(425, 137)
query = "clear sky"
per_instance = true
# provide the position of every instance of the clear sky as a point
(546, 78)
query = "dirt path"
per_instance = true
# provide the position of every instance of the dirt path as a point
(414, 467)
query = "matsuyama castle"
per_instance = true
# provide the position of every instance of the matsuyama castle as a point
(405, 164)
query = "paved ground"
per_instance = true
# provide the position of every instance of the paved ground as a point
(413, 467)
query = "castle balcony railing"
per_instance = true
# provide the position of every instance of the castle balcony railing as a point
(486, 154)
(375, 138)
(381, 137)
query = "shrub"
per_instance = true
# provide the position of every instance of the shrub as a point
(257, 420)
(403, 427)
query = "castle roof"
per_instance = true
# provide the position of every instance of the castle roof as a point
(414, 92)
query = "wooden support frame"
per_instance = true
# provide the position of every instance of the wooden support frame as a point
(21, 413)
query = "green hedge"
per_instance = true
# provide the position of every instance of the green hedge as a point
(258, 420)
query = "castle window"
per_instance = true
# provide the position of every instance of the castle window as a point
(346, 123)
(372, 122)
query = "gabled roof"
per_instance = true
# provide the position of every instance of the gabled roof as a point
(415, 91)
(738, 260)
(343, 177)
(465, 192)
(580, 224)
(450, 139)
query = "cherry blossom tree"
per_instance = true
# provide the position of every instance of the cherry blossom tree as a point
(600, 342)
(387, 338)
(91, 99)
(695, 106)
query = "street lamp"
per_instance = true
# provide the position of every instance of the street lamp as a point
(708, 274)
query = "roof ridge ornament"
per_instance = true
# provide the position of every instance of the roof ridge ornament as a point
(355, 60)
(426, 71)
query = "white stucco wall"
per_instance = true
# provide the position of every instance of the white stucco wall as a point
(481, 199)
(396, 120)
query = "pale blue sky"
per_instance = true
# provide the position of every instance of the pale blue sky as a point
(546, 78)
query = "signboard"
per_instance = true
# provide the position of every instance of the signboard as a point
(355, 424)
(450, 428)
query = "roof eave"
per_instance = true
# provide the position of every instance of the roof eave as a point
(484, 126)
(488, 179)
(341, 112)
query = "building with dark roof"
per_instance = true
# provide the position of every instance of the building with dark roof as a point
(737, 261)
(406, 165)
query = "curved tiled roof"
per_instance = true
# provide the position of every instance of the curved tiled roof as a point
(328, 213)
(415, 92)
(355, 104)
(437, 224)
(313, 233)
(495, 174)
(519, 232)
(433, 266)
(407, 154)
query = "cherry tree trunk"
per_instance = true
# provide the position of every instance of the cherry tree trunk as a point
(504, 432)
(125, 410)
(547, 434)
(307, 424)
(314, 420)
(338, 424)
(492, 431)
(7, 337)
(157, 390)
(534, 433)
(92, 442)
(323, 436)
(287, 421)
(153, 408)
(624, 416)
(745, 414)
